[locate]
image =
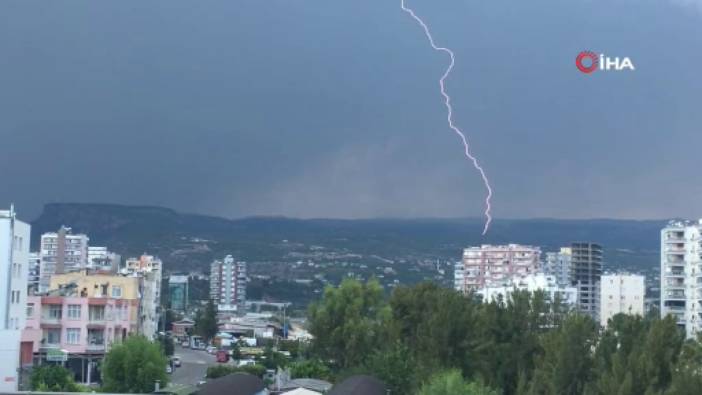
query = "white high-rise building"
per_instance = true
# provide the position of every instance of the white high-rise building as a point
(228, 283)
(14, 260)
(681, 274)
(621, 293)
(558, 265)
(496, 265)
(61, 252)
(567, 295)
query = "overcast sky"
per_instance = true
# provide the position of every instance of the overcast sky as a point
(326, 108)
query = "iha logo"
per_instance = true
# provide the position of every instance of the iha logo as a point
(588, 62)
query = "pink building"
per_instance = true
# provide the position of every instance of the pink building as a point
(78, 325)
(496, 265)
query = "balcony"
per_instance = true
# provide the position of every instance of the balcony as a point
(47, 320)
(674, 295)
(674, 273)
(95, 347)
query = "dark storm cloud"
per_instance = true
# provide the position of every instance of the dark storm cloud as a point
(330, 108)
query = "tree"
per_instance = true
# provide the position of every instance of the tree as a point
(687, 378)
(310, 368)
(453, 383)
(566, 366)
(167, 345)
(206, 322)
(348, 321)
(134, 366)
(510, 332)
(52, 378)
(438, 325)
(217, 371)
(396, 366)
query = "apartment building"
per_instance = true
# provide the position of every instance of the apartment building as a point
(14, 261)
(585, 274)
(99, 258)
(681, 274)
(558, 264)
(495, 265)
(566, 295)
(148, 270)
(61, 252)
(81, 316)
(621, 294)
(228, 283)
(33, 270)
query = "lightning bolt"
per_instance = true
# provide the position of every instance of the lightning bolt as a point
(449, 108)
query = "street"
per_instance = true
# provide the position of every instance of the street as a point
(193, 366)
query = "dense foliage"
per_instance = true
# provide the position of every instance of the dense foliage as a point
(52, 378)
(428, 338)
(217, 371)
(134, 366)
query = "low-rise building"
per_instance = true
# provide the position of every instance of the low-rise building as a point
(567, 295)
(182, 329)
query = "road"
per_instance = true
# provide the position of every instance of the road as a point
(193, 366)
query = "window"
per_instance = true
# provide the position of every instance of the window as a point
(73, 336)
(74, 311)
(55, 311)
(116, 292)
(53, 336)
(124, 313)
(30, 310)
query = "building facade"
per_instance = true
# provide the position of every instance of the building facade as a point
(61, 252)
(148, 269)
(81, 316)
(178, 292)
(585, 274)
(14, 261)
(621, 294)
(228, 284)
(33, 273)
(566, 295)
(100, 258)
(681, 274)
(558, 264)
(490, 265)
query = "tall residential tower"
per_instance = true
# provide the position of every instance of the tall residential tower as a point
(228, 283)
(14, 259)
(681, 274)
(585, 274)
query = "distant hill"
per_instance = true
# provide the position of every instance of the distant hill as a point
(189, 241)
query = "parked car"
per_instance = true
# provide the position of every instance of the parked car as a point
(169, 369)
(176, 361)
(185, 344)
(211, 350)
